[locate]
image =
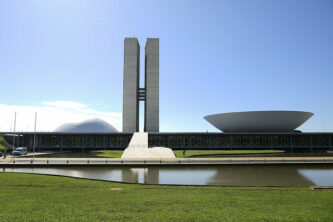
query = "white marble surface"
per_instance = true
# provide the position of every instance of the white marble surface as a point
(138, 148)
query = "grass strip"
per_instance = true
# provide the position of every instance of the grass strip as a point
(219, 153)
(107, 153)
(191, 153)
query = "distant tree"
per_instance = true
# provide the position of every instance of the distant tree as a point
(2, 143)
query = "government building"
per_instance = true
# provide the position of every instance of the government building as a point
(274, 129)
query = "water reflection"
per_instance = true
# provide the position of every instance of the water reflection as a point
(320, 177)
(260, 175)
(203, 175)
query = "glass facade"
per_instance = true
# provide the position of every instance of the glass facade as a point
(288, 141)
(72, 141)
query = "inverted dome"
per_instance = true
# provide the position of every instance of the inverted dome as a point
(258, 121)
(88, 126)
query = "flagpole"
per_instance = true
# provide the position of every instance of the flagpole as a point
(33, 152)
(14, 131)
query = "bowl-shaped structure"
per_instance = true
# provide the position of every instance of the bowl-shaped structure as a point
(259, 121)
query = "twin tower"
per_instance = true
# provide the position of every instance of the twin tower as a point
(133, 94)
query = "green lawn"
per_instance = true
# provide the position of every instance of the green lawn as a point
(25, 197)
(219, 153)
(108, 153)
(191, 153)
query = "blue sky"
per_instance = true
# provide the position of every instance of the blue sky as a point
(64, 59)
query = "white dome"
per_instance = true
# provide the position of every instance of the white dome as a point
(258, 121)
(88, 126)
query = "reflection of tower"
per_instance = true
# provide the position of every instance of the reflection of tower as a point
(129, 176)
(152, 175)
(133, 94)
(140, 175)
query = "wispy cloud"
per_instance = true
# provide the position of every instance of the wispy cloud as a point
(79, 107)
(65, 104)
(51, 114)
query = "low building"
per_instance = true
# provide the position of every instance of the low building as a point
(228, 141)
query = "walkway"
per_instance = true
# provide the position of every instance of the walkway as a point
(171, 161)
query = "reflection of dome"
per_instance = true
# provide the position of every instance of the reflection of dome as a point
(88, 126)
(259, 121)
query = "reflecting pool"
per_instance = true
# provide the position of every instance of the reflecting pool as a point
(300, 175)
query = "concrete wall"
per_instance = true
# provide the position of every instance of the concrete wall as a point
(152, 85)
(131, 85)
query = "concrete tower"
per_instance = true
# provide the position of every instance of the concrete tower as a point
(131, 85)
(152, 121)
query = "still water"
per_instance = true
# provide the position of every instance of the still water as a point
(307, 175)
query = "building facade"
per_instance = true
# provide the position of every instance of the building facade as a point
(240, 130)
(131, 85)
(152, 85)
(292, 141)
(133, 94)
